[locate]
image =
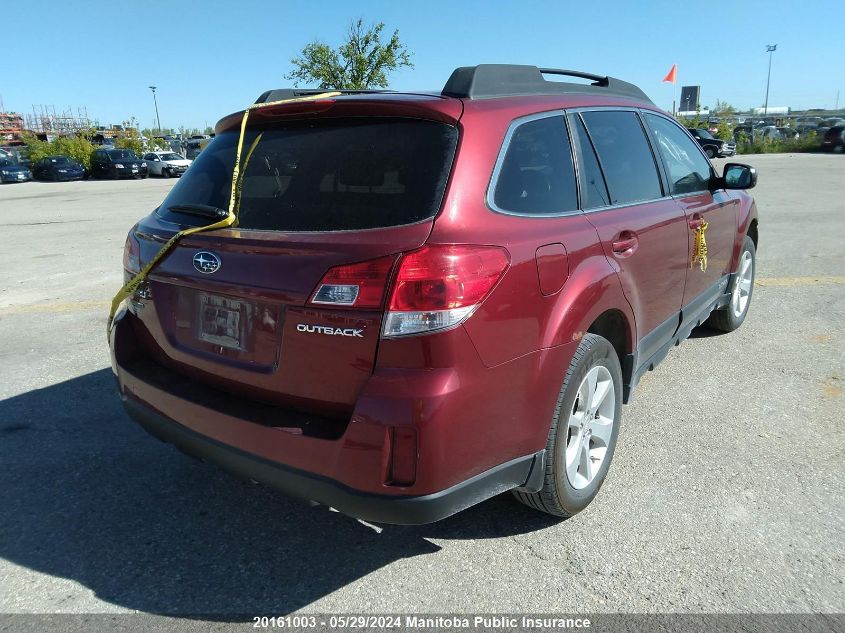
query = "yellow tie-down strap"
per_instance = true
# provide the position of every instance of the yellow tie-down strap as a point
(231, 220)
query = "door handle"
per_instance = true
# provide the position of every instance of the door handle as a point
(696, 222)
(625, 244)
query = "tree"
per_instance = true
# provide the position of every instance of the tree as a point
(362, 62)
(723, 108)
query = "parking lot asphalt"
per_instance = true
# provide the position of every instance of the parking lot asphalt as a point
(726, 493)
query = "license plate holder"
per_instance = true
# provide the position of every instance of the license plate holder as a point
(222, 321)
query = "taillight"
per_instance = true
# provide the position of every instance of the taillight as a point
(132, 254)
(359, 285)
(439, 286)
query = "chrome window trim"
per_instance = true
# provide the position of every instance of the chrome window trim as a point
(500, 159)
(491, 186)
(627, 204)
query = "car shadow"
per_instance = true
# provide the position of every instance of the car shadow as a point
(88, 496)
(705, 331)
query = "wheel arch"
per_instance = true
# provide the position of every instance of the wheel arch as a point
(752, 232)
(747, 225)
(612, 325)
(593, 302)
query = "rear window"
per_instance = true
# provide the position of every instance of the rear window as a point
(326, 175)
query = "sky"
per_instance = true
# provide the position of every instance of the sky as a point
(212, 57)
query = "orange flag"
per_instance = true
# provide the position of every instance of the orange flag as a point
(671, 76)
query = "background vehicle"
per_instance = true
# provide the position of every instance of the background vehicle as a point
(16, 153)
(58, 168)
(13, 171)
(400, 330)
(117, 163)
(194, 145)
(767, 131)
(167, 164)
(834, 139)
(713, 147)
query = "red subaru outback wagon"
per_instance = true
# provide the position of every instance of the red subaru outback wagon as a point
(430, 299)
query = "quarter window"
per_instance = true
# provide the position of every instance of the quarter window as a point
(537, 176)
(625, 156)
(688, 170)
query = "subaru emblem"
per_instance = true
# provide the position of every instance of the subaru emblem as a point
(206, 262)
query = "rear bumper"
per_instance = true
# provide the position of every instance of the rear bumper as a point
(480, 431)
(403, 510)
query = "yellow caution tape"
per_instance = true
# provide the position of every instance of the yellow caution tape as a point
(699, 253)
(131, 286)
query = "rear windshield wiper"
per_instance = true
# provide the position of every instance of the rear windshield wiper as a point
(201, 210)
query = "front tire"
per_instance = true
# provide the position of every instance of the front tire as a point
(583, 432)
(730, 317)
(710, 153)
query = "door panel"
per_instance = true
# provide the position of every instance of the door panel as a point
(720, 214)
(644, 236)
(652, 272)
(690, 177)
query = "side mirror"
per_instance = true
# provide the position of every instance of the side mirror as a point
(739, 176)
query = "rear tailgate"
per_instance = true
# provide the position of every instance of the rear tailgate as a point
(369, 191)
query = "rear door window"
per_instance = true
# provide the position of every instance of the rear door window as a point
(536, 175)
(324, 175)
(625, 155)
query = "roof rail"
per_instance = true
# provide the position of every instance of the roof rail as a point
(291, 93)
(487, 81)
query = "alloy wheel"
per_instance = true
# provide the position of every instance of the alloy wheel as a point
(590, 427)
(742, 285)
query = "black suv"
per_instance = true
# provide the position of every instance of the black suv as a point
(712, 146)
(117, 163)
(834, 139)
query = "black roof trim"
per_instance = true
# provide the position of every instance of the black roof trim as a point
(487, 81)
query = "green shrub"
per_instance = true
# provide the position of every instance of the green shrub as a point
(77, 147)
(157, 145)
(38, 149)
(724, 132)
(134, 144)
(808, 143)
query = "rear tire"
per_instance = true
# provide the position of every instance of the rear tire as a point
(730, 317)
(575, 473)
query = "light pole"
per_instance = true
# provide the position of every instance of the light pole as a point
(770, 48)
(158, 121)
